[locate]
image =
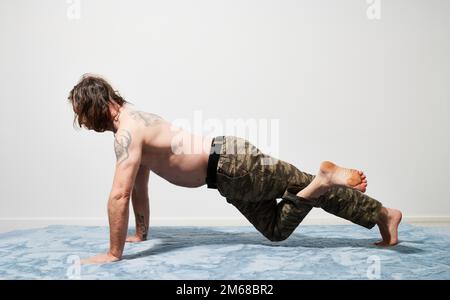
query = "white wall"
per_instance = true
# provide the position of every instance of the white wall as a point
(372, 94)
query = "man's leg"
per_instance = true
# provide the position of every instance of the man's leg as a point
(253, 181)
(339, 191)
(253, 187)
(298, 191)
(275, 221)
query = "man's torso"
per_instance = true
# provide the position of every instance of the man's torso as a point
(171, 152)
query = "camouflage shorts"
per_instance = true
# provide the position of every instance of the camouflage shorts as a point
(253, 181)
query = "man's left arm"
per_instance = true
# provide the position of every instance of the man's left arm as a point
(128, 153)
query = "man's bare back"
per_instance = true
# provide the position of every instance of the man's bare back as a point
(176, 155)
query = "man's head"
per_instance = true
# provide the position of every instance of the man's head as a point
(94, 101)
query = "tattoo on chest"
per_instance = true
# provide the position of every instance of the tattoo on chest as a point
(122, 141)
(142, 227)
(149, 119)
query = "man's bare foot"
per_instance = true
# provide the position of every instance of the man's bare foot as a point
(388, 222)
(333, 175)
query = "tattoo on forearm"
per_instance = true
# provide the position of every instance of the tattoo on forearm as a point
(122, 141)
(141, 226)
(149, 119)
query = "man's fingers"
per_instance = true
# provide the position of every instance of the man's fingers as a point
(99, 259)
(86, 261)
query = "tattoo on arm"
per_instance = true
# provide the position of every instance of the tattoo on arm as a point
(122, 141)
(141, 226)
(148, 118)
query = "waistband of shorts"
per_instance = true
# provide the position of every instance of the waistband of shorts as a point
(213, 160)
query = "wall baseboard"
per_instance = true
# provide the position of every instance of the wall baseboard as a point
(8, 224)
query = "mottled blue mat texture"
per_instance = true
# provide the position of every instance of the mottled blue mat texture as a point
(312, 252)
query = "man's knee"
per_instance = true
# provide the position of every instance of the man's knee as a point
(277, 236)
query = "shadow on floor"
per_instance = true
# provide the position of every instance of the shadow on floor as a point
(175, 238)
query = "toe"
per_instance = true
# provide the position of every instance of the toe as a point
(361, 188)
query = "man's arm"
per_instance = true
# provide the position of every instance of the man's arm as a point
(140, 201)
(128, 153)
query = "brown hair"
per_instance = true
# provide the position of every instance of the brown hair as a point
(90, 100)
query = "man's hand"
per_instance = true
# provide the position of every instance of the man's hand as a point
(134, 239)
(100, 259)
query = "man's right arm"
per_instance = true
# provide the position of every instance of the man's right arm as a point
(141, 207)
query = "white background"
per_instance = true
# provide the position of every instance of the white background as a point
(372, 94)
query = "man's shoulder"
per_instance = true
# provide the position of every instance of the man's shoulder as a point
(146, 119)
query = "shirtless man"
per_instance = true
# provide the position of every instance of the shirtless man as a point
(145, 142)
